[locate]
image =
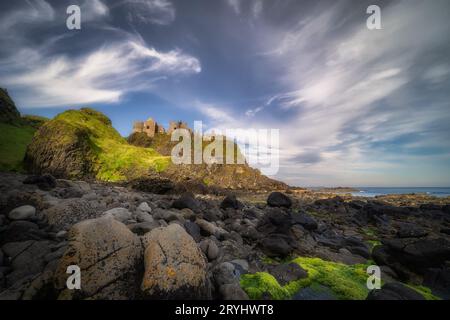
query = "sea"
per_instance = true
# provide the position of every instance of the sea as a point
(378, 191)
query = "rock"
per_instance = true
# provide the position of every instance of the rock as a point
(316, 292)
(144, 207)
(278, 199)
(208, 229)
(304, 220)
(26, 258)
(142, 216)
(186, 200)
(275, 220)
(232, 202)
(445, 230)
(174, 266)
(188, 214)
(18, 231)
(232, 291)
(285, 273)
(210, 249)
(275, 245)
(45, 182)
(120, 214)
(108, 255)
(1, 258)
(409, 230)
(193, 230)
(68, 212)
(394, 291)
(26, 212)
(438, 280)
(61, 235)
(143, 227)
(225, 273)
(415, 254)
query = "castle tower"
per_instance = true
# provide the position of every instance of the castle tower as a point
(177, 125)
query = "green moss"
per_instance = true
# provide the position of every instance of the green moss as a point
(347, 282)
(261, 283)
(426, 292)
(14, 140)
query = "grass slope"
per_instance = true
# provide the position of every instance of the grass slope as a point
(14, 139)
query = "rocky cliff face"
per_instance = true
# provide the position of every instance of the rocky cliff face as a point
(8, 110)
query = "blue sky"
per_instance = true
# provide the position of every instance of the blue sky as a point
(354, 107)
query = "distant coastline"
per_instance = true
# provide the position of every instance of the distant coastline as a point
(439, 192)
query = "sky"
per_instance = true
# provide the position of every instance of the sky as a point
(354, 107)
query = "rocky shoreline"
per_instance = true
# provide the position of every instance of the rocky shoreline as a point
(131, 244)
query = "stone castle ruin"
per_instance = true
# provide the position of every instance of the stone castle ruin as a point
(151, 127)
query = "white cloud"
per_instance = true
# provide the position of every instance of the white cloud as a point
(34, 11)
(103, 75)
(160, 12)
(340, 88)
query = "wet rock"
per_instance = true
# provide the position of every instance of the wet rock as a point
(186, 200)
(285, 273)
(278, 199)
(174, 266)
(26, 212)
(108, 254)
(394, 291)
(45, 182)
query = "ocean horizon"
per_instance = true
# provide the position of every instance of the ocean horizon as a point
(379, 191)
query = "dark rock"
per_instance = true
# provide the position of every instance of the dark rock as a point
(278, 199)
(232, 202)
(143, 227)
(285, 273)
(232, 291)
(18, 231)
(316, 292)
(430, 207)
(438, 280)
(445, 231)
(416, 255)
(409, 230)
(275, 220)
(8, 110)
(153, 185)
(45, 182)
(394, 291)
(305, 220)
(193, 230)
(186, 200)
(276, 245)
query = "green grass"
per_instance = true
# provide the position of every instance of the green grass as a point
(13, 143)
(114, 159)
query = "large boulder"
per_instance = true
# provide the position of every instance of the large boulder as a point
(278, 199)
(108, 255)
(415, 254)
(394, 291)
(175, 268)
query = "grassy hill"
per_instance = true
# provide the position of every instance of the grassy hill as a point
(83, 143)
(16, 133)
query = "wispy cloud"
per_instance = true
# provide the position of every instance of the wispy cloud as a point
(160, 12)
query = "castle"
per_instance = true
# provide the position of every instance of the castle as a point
(151, 127)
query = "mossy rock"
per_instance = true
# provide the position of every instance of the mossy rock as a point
(82, 143)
